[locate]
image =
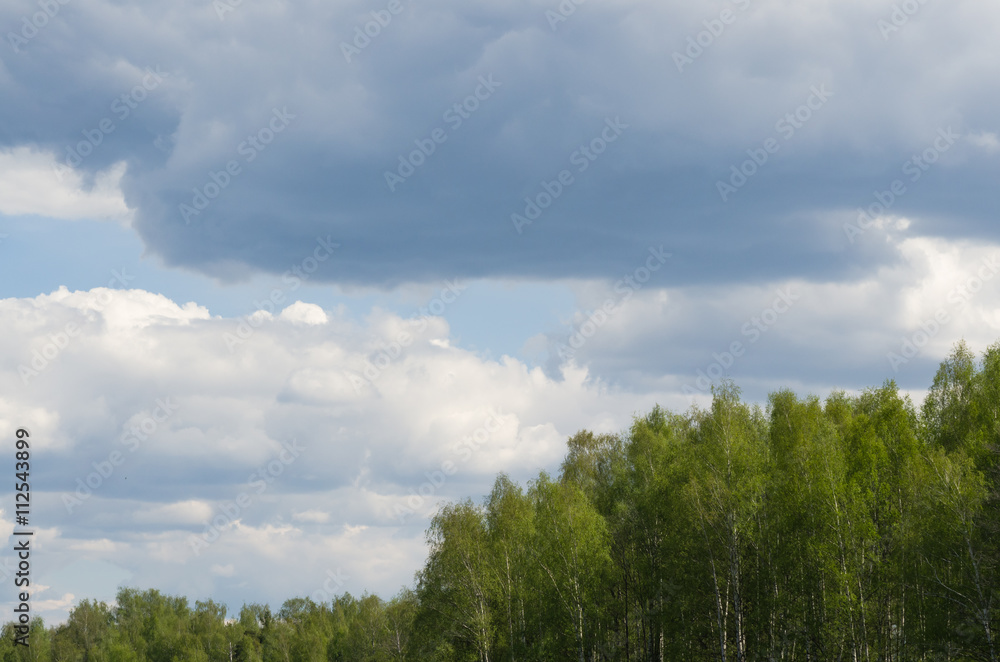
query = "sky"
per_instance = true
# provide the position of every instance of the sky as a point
(278, 278)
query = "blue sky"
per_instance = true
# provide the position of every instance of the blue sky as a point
(409, 234)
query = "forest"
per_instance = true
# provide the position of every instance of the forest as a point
(857, 528)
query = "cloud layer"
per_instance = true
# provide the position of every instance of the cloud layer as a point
(198, 453)
(278, 122)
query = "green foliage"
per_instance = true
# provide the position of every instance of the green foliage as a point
(856, 528)
(852, 529)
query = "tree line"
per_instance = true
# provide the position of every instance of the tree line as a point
(149, 626)
(857, 528)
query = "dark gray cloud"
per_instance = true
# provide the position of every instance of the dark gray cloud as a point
(344, 124)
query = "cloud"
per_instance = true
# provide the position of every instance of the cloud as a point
(987, 140)
(153, 432)
(103, 545)
(65, 603)
(223, 570)
(31, 183)
(812, 336)
(181, 513)
(335, 439)
(207, 135)
(304, 313)
(315, 516)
